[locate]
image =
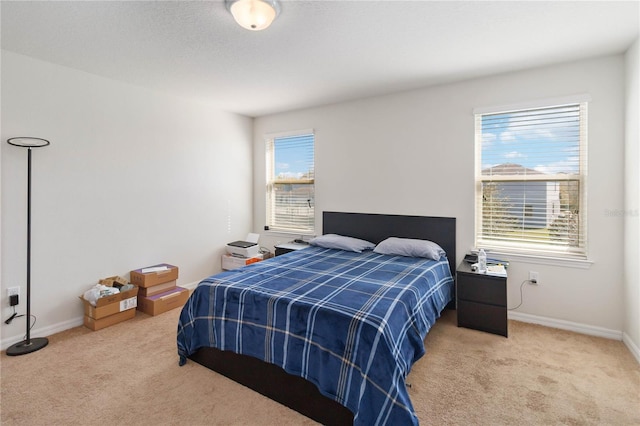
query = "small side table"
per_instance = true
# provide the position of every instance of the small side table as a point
(481, 300)
(289, 247)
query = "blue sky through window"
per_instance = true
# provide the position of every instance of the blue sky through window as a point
(546, 140)
(293, 156)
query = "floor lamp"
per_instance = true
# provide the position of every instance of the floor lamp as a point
(28, 345)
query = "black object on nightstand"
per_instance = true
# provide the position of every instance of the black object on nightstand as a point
(288, 247)
(481, 300)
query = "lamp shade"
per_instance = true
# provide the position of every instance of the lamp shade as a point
(254, 15)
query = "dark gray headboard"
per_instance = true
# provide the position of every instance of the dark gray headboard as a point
(376, 227)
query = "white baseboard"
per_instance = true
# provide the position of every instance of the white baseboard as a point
(190, 286)
(591, 330)
(42, 332)
(62, 326)
(579, 328)
(633, 348)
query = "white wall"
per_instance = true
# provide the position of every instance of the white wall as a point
(632, 202)
(413, 153)
(132, 178)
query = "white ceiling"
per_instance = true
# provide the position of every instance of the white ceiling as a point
(316, 52)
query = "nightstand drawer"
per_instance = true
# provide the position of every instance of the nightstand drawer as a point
(482, 289)
(482, 317)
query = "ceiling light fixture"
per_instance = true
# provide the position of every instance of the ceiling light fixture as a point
(254, 15)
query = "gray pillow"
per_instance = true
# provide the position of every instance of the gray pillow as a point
(341, 242)
(395, 246)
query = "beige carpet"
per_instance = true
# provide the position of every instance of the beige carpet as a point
(128, 374)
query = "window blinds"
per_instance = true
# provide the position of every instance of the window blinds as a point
(531, 179)
(290, 183)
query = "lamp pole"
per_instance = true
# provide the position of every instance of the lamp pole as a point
(28, 345)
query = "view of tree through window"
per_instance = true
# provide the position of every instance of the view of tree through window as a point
(530, 178)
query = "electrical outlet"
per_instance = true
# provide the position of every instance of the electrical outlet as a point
(533, 277)
(13, 290)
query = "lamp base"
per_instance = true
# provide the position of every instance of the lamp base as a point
(23, 348)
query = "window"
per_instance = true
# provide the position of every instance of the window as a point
(290, 183)
(531, 180)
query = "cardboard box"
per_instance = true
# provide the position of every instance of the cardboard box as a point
(149, 279)
(113, 281)
(98, 324)
(230, 262)
(111, 305)
(160, 288)
(163, 302)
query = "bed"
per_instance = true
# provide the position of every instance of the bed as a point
(300, 336)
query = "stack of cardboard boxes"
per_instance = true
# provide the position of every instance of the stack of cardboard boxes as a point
(158, 290)
(110, 310)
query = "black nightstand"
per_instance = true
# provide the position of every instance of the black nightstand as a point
(288, 247)
(481, 300)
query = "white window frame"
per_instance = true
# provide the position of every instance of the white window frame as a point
(527, 250)
(293, 224)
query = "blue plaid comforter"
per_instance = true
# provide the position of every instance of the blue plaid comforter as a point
(351, 323)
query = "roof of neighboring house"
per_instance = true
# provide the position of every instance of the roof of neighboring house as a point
(510, 169)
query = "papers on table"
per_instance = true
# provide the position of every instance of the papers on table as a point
(498, 270)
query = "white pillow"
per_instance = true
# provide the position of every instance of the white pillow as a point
(395, 246)
(341, 242)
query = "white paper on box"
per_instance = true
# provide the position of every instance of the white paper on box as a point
(154, 269)
(129, 303)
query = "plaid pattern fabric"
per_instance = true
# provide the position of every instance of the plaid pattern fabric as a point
(351, 323)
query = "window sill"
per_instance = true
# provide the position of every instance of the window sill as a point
(540, 259)
(278, 233)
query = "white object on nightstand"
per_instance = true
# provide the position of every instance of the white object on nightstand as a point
(287, 247)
